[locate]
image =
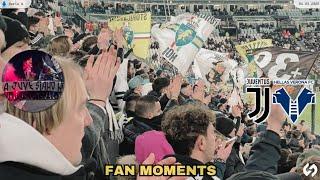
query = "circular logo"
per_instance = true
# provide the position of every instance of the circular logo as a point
(184, 35)
(32, 81)
(128, 34)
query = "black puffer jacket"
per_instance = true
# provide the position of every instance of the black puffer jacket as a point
(20, 171)
(136, 127)
(294, 145)
(233, 163)
(265, 153)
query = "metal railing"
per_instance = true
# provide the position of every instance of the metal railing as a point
(202, 2)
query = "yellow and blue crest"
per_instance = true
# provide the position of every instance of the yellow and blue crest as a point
(128, 35)
(294, 108)
(184, 35)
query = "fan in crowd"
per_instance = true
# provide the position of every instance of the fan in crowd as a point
(164, 120)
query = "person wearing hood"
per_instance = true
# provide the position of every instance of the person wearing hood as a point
(47, 143)
(16, 38)
(148, 116)
(17, 14)
(152, 142)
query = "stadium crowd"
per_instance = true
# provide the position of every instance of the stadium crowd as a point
(136, 114)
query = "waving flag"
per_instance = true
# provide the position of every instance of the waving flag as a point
(136, 29)
(213, 66)
(258, 44)
(278, 63)
(282, 64)
(182, 38)
(246, 50)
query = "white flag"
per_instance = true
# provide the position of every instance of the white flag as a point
(213, 66)
(182, 38)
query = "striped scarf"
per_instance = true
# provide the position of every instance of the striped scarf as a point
(36, 39)
(115, 131)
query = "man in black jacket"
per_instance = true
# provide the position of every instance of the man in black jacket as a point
(296, 141)
(190, 130)
(147, 117)
(159, 89)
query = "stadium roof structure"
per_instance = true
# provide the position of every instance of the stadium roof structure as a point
(253, 18)
(306, 18)
(212, 2)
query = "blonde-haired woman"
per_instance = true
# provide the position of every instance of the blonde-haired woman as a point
(48, 143)
(60, 46)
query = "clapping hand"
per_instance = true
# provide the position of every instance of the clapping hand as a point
(99, 75)
(174, 87)
(104, 38)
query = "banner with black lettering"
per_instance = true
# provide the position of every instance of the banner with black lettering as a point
(182, 37)
(282, 64)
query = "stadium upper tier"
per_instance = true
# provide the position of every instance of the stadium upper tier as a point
(205, 1)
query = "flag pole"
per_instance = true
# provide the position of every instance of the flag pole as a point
(313, 115)
(168, 4)
(165, 10)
